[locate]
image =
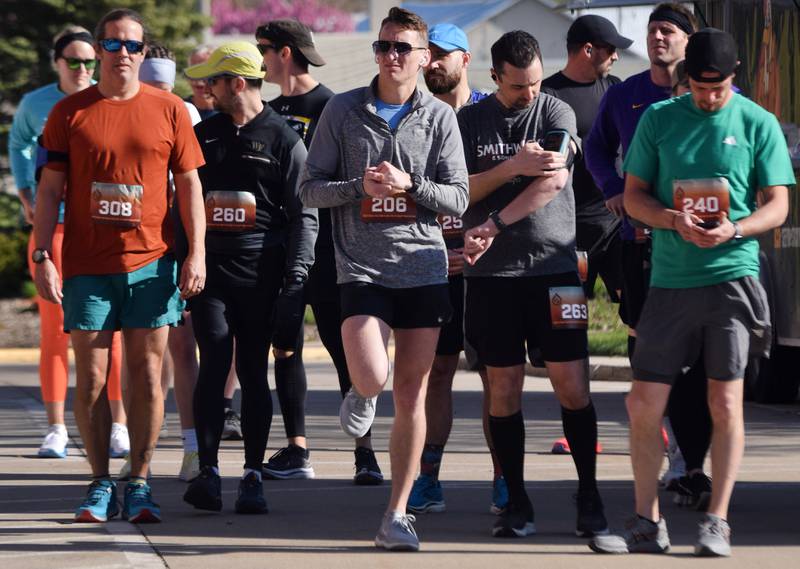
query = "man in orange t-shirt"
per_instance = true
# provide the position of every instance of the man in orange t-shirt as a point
(112, 145)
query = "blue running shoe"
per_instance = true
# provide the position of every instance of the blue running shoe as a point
(426, 496)
(100, 504)
(499, 496)
(139, 507)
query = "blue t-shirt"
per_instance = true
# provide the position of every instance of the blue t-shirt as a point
(392, 114)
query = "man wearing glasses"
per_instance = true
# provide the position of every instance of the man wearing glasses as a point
(111, 146)
(387, 159)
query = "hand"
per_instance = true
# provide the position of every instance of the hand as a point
(707, 238)
(615, 205)
(289, 315)
(393, 176)
(455, 262)
(48, 283)
(376, 186)
(478, 240)
(531, 160)
(193, 275)
(27, 211)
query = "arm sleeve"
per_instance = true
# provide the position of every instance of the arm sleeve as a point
(601, 148)
(642, 157)
(773, 163)
(449, 192)
(55, 139)
(303, 223)
(186, 153)
(320, 185)
(22, 147)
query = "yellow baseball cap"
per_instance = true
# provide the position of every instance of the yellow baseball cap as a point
(233, 58)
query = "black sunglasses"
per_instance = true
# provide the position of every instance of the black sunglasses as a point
(400, 47)
(211, 81)
(114, 45)
(75, 63)
(263, 47)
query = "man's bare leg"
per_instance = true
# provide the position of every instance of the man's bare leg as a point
(145, 349)
(92, 412)
(727, 441)
(365, 340)
(646, 403)
(439, 400)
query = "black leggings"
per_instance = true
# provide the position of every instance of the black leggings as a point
(689, 415)
(290, 376)
(220, 314)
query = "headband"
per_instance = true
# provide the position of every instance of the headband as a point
(155, 70)
(667, 14)
(67, 39)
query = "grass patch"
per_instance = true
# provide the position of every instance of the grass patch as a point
(608, 336)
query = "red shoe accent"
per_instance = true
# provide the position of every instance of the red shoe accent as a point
(665, 436)
(561, 446)
(86, 517)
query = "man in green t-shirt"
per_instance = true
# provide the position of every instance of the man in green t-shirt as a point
(696, 169)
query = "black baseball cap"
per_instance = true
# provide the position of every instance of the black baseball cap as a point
(293, 34)
(711, 51)
(596, 29)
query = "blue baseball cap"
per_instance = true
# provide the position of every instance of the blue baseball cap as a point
(448, 37)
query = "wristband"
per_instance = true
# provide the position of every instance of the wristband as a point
(495, 217)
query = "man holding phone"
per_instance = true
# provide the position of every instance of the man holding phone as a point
(526, 291)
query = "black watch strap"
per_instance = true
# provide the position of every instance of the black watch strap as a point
(416, 182)
(38, 256)
(495, 217)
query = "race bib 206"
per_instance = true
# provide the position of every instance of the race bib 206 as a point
(568, 308)
(398, 209)
(116, 204)
(230, 211)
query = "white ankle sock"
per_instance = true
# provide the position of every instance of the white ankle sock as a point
(189, 438)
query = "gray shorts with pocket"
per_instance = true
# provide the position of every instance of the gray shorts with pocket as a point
(727, 322)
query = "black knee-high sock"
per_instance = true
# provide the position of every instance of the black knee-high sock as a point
(290, 383)
(580, 428)
(508, 435)
(631, 348)
(690, 417)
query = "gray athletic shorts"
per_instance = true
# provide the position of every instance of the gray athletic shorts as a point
(727, 322)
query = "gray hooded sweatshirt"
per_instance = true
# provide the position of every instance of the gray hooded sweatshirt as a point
(350, 137)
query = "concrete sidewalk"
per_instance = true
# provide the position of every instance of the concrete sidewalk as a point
(329, 523)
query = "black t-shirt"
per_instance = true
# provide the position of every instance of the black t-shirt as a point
(584, 98)
(302, 113)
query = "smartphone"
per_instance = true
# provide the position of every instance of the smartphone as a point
(557, 141)
(709, 224)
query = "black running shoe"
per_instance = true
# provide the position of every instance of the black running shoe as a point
(251, 496)
(368, 473)
(515, 521)
(694, 491)
(205, 491)
(591, 519)
(289, 462)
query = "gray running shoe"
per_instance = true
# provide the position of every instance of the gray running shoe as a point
(396, 533)
(356, 414)
(232, 428)
(714, 539)
(640, 536)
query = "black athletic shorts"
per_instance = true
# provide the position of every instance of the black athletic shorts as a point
(451, 338)
(635, 280)
(503, 314)
(417, 307)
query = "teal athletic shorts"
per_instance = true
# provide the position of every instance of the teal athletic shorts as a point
(146, 298)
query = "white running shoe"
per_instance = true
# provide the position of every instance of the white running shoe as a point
(190, 468)
(120, 444)
(357, 413)
(677, 465)
(55, 442)
(396, 533)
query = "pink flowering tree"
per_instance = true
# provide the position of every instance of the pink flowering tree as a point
(230, 17)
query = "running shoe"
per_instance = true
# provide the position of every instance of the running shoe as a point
(515, 521)
(232, 428)
(426, 496)
(396, 533)
(120, 443)
(356, 414)
(714, 539)
(368, 473)
(190, 467)
(125, 472)
(694, 491)
(138, 507)
(55, 442)
(639, 536)
(100, 504)
(251, 496)
(561, 446)
(290, 462)
(499, 496)
(591, 519)
(677, 466)
(205, 491)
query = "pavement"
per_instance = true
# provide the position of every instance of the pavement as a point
(328, 522)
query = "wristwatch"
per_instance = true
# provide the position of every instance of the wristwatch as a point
(416, 182)
(38, 256)
(495, 217)
(737, 231)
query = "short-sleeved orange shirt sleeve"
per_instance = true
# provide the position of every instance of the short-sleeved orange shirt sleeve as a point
(133, 142)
